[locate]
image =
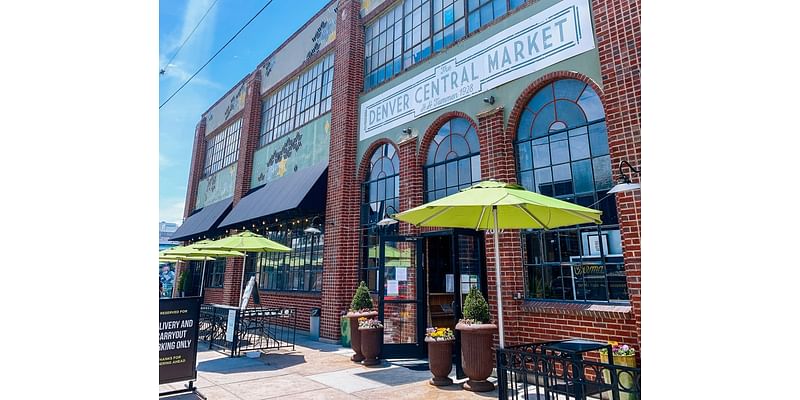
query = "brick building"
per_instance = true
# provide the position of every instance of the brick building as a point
(375, 107)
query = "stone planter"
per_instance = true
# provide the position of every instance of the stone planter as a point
(355, 337)
(440, 360)
(476, 355)
(371, 341)
(624, 379)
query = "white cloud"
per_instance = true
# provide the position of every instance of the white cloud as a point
(196, 49)
(171, 210)
(164, 161)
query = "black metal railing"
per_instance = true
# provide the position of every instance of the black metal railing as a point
(257, 328)
(529, 371)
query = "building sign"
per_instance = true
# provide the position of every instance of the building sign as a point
(177, 339)
(553, 35)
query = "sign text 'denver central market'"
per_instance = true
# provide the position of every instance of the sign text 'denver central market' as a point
(555, 34)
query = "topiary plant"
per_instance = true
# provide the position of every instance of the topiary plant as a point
(475, 307)
(361, 300)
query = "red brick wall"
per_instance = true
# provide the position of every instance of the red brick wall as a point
(196, 169)
(340, 269)
(248, 141)
(410, 182)
(301, 302)
(618, 38)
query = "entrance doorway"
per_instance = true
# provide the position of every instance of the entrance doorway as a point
(423, 282)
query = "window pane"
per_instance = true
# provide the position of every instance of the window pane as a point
(452, 174)
(525, 160)
(599, 139)
(579, 147)
(464, 175)
(559, 151)
(476, 168)
(582, 176)
(602, 172)
(541, 155)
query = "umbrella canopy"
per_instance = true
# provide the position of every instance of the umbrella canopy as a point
(191, 250)
(498, 205)
(175, 258)
(517, 208)
(245, 241)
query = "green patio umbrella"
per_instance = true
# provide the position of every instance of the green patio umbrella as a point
(497, 205)
(191, 251)
(245, 242)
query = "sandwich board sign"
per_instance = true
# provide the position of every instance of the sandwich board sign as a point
(178, 323)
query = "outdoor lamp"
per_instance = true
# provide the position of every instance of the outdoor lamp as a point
(625, 184)
(489, 100)
(311, 230)
(388, 220)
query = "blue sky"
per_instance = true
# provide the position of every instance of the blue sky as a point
(178, 118)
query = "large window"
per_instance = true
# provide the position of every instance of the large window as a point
(299, 101)
(415, 29)
(562, 151)
(454, 160)
(215, 273)
(298, 270)
(380, 195)
(222, 149)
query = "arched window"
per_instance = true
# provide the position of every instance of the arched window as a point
(454, 160)
(562, 151)
(380, 191)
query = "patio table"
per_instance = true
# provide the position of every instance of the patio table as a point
(573, 349)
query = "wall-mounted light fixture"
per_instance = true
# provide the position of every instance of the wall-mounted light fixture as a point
(624, 180)
(312, 230)
(489, 99)
(387, 220)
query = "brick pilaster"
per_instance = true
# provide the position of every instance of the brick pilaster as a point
(196, 168)
(618, 37)
(248, 141)
(340, 269)
(497, 161)
(410, 182)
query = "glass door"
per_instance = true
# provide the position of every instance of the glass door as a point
(470, 271)
(400, 297)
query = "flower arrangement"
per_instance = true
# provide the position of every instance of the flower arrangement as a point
(440, 334)
(619, 350)
(369, 323)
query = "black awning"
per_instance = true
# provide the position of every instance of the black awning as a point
(280, 195)
(203, 220)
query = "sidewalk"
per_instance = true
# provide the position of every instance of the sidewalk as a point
(314, 370)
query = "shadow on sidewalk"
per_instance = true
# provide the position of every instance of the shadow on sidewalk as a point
(267, 362)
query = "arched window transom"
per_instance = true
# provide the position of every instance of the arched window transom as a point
(453, 161)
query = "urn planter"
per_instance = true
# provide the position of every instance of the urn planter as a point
(476, 355)
(355, 336)
(440, 360)
(371, 341)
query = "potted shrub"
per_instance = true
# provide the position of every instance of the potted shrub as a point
(360, 307)
(623, 355)
(440, 354)
(476, 342)
(371, 332)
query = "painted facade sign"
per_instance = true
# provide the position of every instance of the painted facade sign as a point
(555, 34)
(299, 149)
(228, 107)
(216, 187)
(309, 41)
(368, 5)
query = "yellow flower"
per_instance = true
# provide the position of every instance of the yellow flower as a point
(613, 343)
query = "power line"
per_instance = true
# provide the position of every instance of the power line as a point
(164, 69)
(215, 54)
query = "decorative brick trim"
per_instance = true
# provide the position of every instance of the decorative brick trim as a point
(363, 167)
(589, 310)
(430, 133)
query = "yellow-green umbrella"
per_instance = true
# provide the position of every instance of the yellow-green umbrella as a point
(499, 205)
(245, 242)
(191, 251)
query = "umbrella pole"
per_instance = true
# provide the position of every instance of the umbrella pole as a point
(241, 286)
(203, 277)
(497, 283)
